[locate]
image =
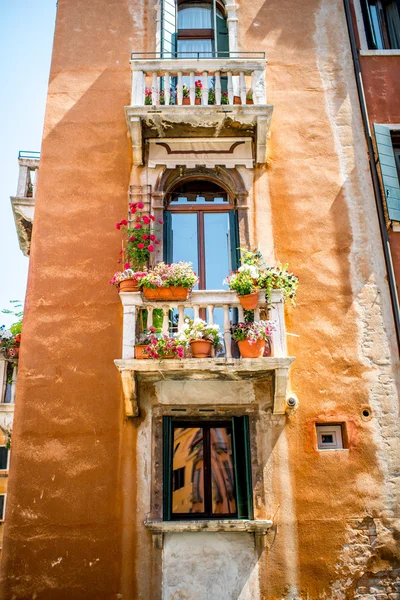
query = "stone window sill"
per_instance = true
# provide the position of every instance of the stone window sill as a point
(259, 528)
(380, 52)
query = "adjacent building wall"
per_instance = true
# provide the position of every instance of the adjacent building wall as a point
(81, 479)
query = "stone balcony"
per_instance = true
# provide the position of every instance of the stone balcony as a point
(23, 203)
(165, 113)
(223, 367)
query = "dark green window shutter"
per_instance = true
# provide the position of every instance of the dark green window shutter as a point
(3, 457)
(369, 30)
(223, 47)
(235, 242)
(242, 462)
(167, 468)
(168, 28)
(168, 241)
(390, 178)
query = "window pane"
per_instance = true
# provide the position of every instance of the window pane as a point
(217, 249)
(184, 239)
(195, 17)
(376, 27)
(2, 502)
(189, 49)
(223, 488)
(3, 457)
(188, 470)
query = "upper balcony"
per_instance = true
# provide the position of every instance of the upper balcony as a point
(232, 103)
(23, 203)
(220, 367)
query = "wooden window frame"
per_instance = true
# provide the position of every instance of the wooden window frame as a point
(240, 428)
(382, 21)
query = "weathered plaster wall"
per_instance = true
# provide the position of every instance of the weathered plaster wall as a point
(81, 485)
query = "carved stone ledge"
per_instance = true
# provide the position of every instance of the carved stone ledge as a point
(233, 369)
(259, 528)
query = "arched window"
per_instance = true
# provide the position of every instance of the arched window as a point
(201, 227)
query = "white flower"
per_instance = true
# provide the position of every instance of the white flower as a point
(252, 269)
(6, 334)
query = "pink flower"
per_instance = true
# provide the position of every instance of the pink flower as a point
(140, 205)
(118, 225)
(140, 246)
(132, 239)
(124, 222)
(145, 236)
(150, 248)
(157, 242)
(161, 222)
(138, 226)
(127, 265)
(152, 217)
(146, 220)
(152, 237)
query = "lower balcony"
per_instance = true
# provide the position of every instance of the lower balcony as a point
(215, 305)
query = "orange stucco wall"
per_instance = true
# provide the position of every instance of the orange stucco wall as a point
(71, 527)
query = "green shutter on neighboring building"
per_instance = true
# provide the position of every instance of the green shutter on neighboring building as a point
(242, 461)
(390, 177)
(167, 468)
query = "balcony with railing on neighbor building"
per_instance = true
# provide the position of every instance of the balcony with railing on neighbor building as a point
(198, 94)
(23, 203)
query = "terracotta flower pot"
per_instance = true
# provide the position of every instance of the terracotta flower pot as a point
(237, 100)
(128, 285)
(198, 101)
(248, 101)
(250, 301)
(166, 293)
(140, 351)
(13, 352)
(185, 100)
(255, 350)
(201, 348)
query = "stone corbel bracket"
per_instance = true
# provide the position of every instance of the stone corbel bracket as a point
(129, 388)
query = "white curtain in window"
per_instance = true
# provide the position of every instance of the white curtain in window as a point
(393, 22)
(191, 47)
(195, 17)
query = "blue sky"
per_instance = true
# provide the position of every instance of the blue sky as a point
(26, 40)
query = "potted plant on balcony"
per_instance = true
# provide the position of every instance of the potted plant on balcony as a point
(249, 97)
(252, 337)
(211, 96)
(201, 337)
(141, 241)
(198, 86)
(245, 283)
(185, 94)
(224, 98)
(279, 278)
(148, 97)
(168, 282)
(164, 346)
(143, 341)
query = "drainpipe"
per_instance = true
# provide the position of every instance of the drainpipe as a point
(374, 174)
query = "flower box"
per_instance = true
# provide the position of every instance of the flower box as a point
(162, 293)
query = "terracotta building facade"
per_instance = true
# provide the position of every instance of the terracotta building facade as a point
(236, 125)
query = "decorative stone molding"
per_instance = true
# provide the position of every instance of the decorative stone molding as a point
(258, 528)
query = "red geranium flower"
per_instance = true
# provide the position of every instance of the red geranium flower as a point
(138, 226)
(126, 265)
(150, 248)
(146, 220)
(118, 225)
(132, 239)
(140, 205)
(145, 236)
(152, 237)
(161, 222)
(157, 242)
(124, 222)
(152, 217)
(140, 246)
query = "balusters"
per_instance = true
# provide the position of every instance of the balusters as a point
(165, 323)
(210, 321)
(227, 332)
(181, 316)
(204, 95)
(242, 87)
(241, 313)
(129, 332)
(149, 316)
(230, 88)
(196, 310)
(192, 89)
(167, 92)
(217, 88)
(154, 90)
(180, 88)
(138, 88)
(257, 314)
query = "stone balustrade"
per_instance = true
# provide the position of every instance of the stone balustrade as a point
(245, 75)
(201, 299)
